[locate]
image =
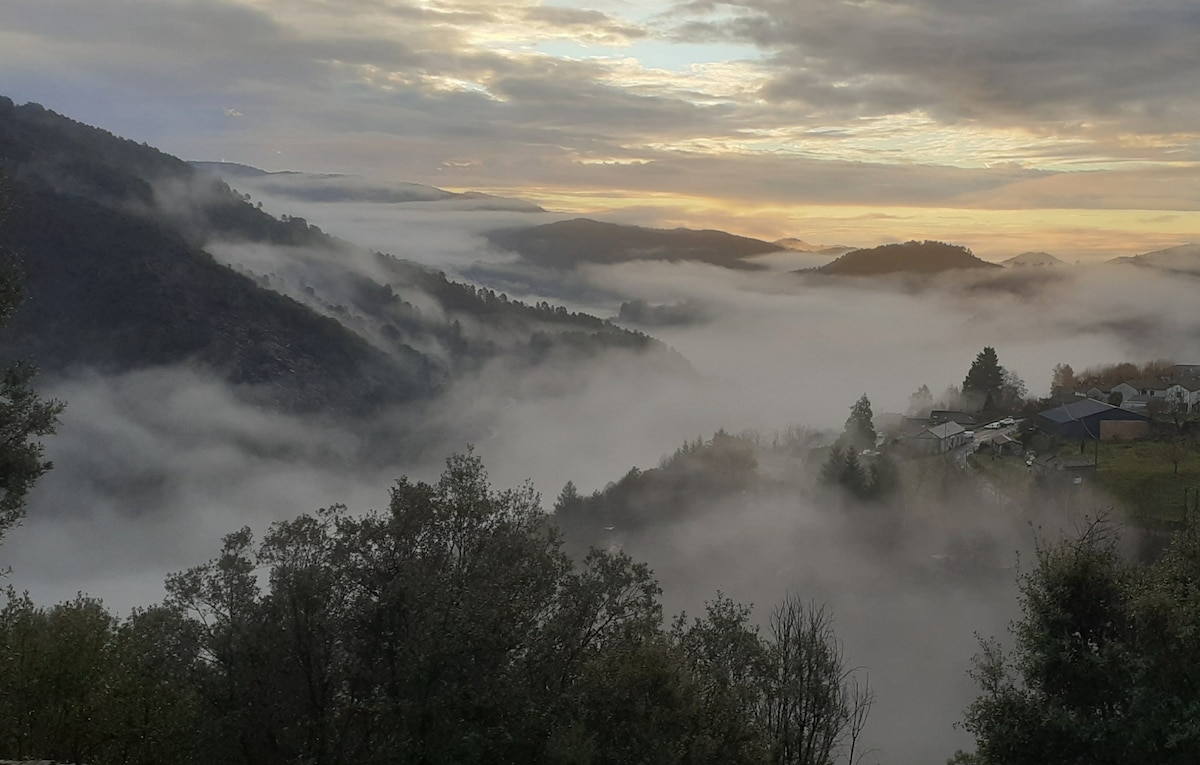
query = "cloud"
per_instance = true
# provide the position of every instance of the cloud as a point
(153, 466)
(1059, 63)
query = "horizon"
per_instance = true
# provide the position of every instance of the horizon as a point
(1056, 127)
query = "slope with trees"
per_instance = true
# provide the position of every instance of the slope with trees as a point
(115, 238)
(567, 243)
(449, 628)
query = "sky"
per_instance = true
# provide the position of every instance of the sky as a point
(1060, 125)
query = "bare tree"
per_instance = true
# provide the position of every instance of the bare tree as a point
(814, 706)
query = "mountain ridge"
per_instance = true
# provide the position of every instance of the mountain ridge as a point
(594, 241)
(118, 238)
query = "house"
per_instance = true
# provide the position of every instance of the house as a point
(938, 416)
(1148, 394)
(1054, 467)
(1098, 393)
(1185, 372)
(937, 439)
(911, 426)
(1185, 393)
(1087, 419)
(1005, 445)
(1150, 388)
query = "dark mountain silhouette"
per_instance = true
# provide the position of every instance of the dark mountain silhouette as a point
(567, 243)
(114, 240)
(908, 258)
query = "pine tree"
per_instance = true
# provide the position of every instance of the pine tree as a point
(985, 377)
(860, 431)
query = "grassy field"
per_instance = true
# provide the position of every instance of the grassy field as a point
(1008, 474)
(1143, 479)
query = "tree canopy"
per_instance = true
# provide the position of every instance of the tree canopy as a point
(1105, 664)
(859, 432)
(24, 415)
(449, 628)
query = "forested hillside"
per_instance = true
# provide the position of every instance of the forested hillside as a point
(116, 241)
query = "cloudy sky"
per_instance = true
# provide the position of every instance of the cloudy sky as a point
(1066, 125)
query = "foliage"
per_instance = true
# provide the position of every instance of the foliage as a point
(1105, 660)
(24, 415)
(699, 472)
(449, 628)
(113, 235)
(877, 481)
(859, 432)
(920, 403)
(985, 377)
(1063, 378)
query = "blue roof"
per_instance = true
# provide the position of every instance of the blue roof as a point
(1077, 410)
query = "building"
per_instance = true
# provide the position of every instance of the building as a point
(1005, 445)
(1055, 467)
(1089, 420)
(938, 416)
(937, 439)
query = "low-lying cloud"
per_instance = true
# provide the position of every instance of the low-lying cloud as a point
(153, 466)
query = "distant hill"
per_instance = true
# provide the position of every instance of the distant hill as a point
(312, 187)
(799, 245)
(1184, 259)
(908, 258)
(566, 243)
(116, 241)
(1033, 259)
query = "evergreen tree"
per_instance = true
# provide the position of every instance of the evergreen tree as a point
(567, 497)
(860, 430)
(985, 378)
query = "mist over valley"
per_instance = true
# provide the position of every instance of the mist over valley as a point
(237, 347)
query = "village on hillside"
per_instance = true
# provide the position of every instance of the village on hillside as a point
(1130, 433)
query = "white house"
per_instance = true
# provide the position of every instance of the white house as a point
(939, 438)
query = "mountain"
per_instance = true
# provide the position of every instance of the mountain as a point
(908, 258)
(313, 187)
(1184, 259)
(132, 258)
(567, 243)
(799, 245)
(1032, 259)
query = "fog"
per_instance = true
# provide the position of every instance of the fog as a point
(151, 468)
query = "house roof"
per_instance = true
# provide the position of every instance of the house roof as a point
(1077, 410)
(946, 429)
(1148, 384)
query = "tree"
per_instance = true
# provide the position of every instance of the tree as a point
(567, 498)
(24, 416)
(1105, 662)
(1063, 378)
(1012, 391)
(859, 432)
(920, 403)
(814, 705)
(985, 375)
